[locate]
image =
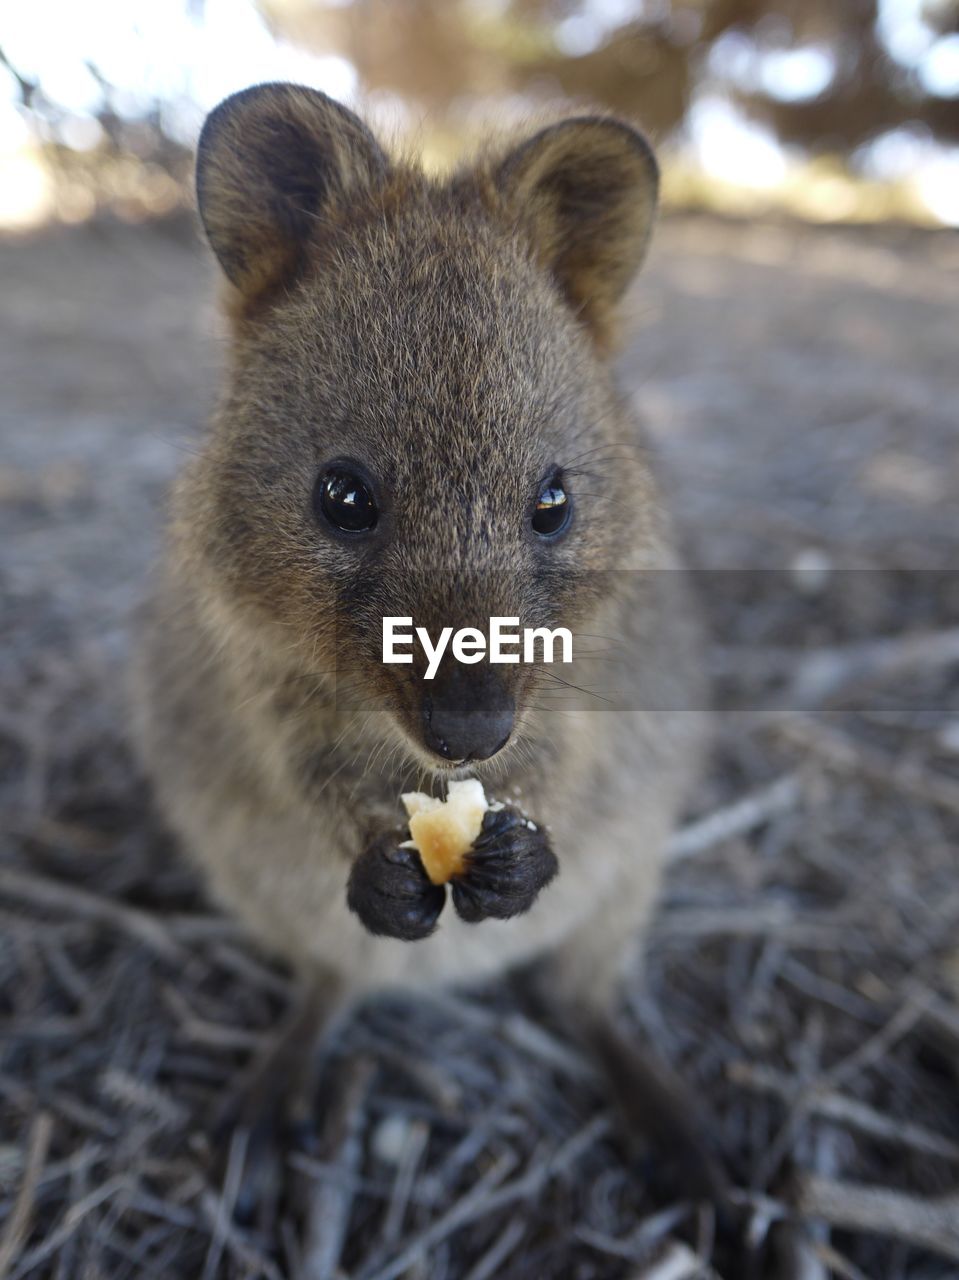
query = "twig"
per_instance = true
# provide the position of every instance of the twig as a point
(535, 1040)
(74, 900)
(839, 1264)
(927, 1224)
(331, 1201)
(824, 673)
(777, 918)
(253, 971)
(417, 1137)
(251, 1260)
(142, 1096)
(17, 1225)
(849, 1112)
(516, 1029)
(27, 88)
(71, 1220)
(214, 1035)
(796, 1256)
(736, 819)
(876, 1046)
(482, 1201)
(640, 1242)
(941, 1016)
(841, 752)
(226, 1202)
(62, 1103)
(443, 1090)
(678, 1262)
(205, 929)
(489, 1264)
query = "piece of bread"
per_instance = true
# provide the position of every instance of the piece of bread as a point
(443, 831)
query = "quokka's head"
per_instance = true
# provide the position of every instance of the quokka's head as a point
(419, 419)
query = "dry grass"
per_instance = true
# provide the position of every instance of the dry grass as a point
(801, 979)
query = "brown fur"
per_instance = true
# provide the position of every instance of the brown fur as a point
(451, 334)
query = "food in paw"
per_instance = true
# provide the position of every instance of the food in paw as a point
(443, 831)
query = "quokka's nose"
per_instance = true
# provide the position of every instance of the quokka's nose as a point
(467, 717)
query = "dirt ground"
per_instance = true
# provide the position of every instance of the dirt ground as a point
(802, 386)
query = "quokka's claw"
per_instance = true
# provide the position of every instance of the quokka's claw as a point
(510, 863)
(392, 894)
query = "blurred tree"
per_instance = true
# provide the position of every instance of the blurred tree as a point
(645, 58)
(824, 75)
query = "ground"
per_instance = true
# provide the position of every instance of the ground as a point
(801, 385)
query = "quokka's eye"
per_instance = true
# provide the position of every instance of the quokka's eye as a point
(345, 500)
(553, 508)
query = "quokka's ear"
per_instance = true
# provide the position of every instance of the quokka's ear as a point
(586, 191)
(271, 161)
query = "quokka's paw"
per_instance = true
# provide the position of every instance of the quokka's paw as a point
(510, 862)
(392, 894)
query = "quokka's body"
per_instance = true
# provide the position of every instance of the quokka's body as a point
(448, 340)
